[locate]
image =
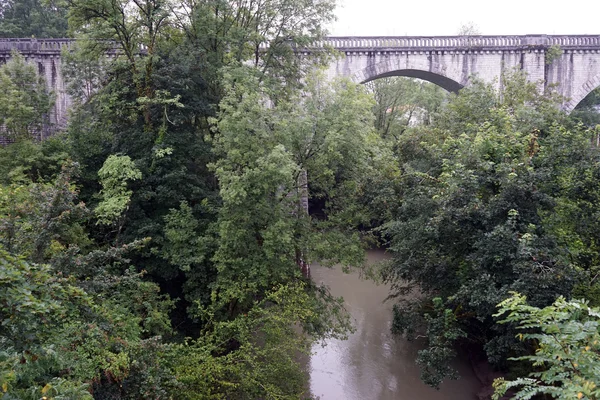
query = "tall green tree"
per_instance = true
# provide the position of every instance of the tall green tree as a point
(476, 219)
(404, 102)
(58, 339)
(246, 368)
(166, 149)
(61, 335)
(24, 100)
(159, 114)
(135, 29)
(39, 218)
(264, 33)
(33, 18)
(264, 232)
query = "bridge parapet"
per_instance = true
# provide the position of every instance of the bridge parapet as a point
(37, 46)
(357, 43)
(407, 43)
(575, 41)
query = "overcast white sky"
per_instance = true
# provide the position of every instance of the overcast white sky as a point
(445, 17)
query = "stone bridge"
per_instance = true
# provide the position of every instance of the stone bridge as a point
(571, 62)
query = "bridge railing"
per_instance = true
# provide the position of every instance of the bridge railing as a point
(575, 41)
(34, 45)
(454, 42)
(448, 41)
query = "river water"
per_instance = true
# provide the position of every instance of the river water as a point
(373, 364)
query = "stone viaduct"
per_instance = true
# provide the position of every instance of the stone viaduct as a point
(571, 62)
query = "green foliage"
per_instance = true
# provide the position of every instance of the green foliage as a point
(26, 160)
(185, 247)
(34, 303)
(566, 340)
(553, 53)
(58, 340)
(33, 18)
(262, 33)
(24, 101)
(404, 102)
(256, 350)
(587, 110)
(403, 107)
(32, 300)
(84, 67)
(198, 152)
(187, 205)
(263, 231)
(443, 331)
(114, 175)
(495, 197)
(41, 219)
(56, 389)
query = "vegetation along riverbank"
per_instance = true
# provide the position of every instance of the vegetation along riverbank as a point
(206, 165)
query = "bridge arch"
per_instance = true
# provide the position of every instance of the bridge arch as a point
(582, 93)
(437, 79)
(414, 67)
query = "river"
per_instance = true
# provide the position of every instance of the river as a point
(373, 364)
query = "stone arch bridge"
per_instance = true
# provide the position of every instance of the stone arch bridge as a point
(571, 62)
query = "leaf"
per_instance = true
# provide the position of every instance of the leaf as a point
(46, 388)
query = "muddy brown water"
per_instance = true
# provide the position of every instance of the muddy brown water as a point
(373, 364)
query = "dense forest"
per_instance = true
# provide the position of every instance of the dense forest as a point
(160, 246)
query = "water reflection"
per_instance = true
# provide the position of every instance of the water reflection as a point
(372, 363)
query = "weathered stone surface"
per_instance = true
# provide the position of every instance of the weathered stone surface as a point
(452, 61)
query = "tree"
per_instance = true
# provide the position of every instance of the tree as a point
(565, 338)
(262, 153)
(59, 340)
(32, 161)
(135, 29)
(247, 368)
(469, 29)
(40, 219)
(135, 114)
(191, 147)
(404, 102)
(84, 69)
(264, 33)
(33, 18)
(24, 100)
(587, 110)
(64, 332)
(114, 175)
(476, 216)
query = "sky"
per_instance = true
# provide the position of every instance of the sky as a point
(446, 17)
